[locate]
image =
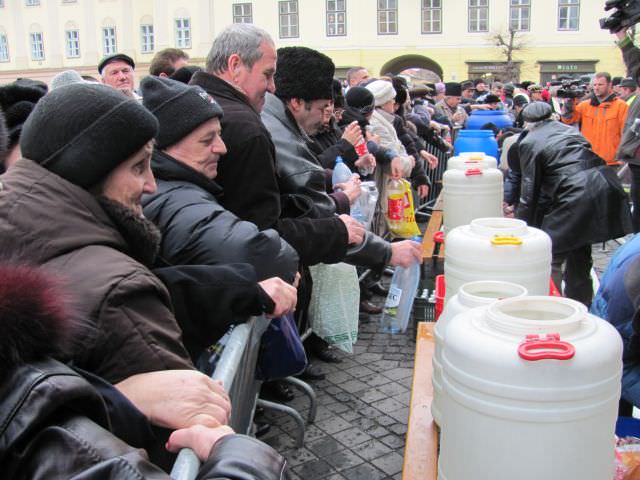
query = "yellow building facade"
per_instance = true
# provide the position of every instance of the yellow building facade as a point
(452, 38)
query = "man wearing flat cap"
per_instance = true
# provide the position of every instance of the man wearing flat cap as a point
(448, 106)
(117, 71)
(628, 89)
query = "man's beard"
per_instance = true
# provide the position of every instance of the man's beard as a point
(141, 235)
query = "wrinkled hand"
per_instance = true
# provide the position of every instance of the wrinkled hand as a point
(397, 168)
(458, 117)
(423, 191)
(351, 188)
(372, 137)
(366, 161)
(507, 210)
(481, 106)
(178, 398)
(405, 253)
(432, 160)
(412, 159)
(198, 438)
(283, 295)
(354, 228)
(352, 133)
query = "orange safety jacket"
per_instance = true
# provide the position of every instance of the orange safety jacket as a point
(601, 125)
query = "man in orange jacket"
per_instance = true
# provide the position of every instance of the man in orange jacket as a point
(601, 118)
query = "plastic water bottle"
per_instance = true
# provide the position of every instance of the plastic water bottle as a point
(395, 203)
(342, 174)
(397, 307)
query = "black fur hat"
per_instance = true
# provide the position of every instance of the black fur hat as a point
(304, 73)
(17, 100)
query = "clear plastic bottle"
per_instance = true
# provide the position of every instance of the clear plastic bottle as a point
(342, 174)
(395, 203)
(397, 307)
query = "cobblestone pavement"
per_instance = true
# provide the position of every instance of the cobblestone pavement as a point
(363, 407)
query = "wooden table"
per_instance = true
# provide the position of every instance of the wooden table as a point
(431, 249)
(421, 448)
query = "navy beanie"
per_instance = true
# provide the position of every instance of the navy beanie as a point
(179, 108)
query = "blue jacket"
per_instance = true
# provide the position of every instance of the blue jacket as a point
(618, 302)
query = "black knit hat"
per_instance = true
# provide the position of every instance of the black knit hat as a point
(114, 58)
(185, 73)
(536, 111)
(179, 108)
(361, 99)
(303, 73)
(84, 130)
(491, 98)
(452, 89)
(17, 100)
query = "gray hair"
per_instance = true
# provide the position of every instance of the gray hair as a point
(242, 39)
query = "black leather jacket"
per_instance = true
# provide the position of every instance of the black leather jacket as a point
(300, 175)
(54, 424)
(567, 191)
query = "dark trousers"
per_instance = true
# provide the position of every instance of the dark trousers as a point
(635, 196)
(574, 268)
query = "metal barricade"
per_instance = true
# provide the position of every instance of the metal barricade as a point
(236, 369)
(435, 177)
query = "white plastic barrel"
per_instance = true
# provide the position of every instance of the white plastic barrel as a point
(532, 392)
(470, 193)
(470, 295)
(497, 249)
(472, 159)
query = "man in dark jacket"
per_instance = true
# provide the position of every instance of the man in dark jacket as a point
(567, 192)
(197, 229)
(239, 71)
(56, 424)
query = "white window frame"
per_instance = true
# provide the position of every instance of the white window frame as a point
(183, 32)
(431, 19)
(387, 17)
(109, 41)
(242, 12)
(478, 16)
(288, 19)
(36, 41)
(565, 10)
(1, 3)
(336, 21)
(4, 48)
(32, 3)
(72, 43)
(147, 38)
(518, 20)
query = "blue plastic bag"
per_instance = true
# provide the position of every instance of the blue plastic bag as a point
(281, 350)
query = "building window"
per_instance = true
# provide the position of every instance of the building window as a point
(288, 19)
(37, 46)
(431, 16)
(568, 14)
(109, 40)
(242, 13)
(146, 32)
(336, 18)
(478, 15)
(1, 3)
(72, 43)
(183, 33)
(387, 17)
(519, 15)
(33, 3)
(4, 48)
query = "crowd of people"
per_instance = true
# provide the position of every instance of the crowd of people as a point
(139, 222)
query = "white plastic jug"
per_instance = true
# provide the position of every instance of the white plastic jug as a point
(470, 193)
(532, 392)
(472, 159)
(470, 295)
(497, 249)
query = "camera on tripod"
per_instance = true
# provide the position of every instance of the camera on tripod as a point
(626, 15)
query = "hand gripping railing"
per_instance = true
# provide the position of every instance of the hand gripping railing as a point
(236, 370)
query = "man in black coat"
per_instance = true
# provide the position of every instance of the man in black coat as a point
(197, 229)
(239, 71)
(567, 191)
